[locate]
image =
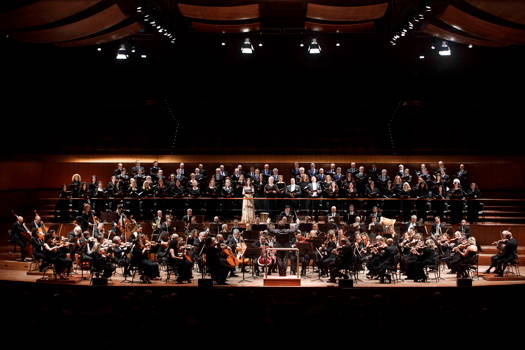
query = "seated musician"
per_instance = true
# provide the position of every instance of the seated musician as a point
(288, 214)
(140, 258)
(375, 261)
(179, 258)
(464, 256)
(464, 228)
(187, 218)
(388, 260)
(55, 255)
(508, 253)
(438, 227)
(216, 261)
(333, 216)
(358, 225)
(427, 256)
(37, 243)
(343, 256)
(327, 258)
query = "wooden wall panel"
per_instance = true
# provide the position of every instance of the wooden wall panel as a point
(43, 12)
(475, 26)
(340, 28)
(107, 18)
(226, 28)
(100, 39)
(220, 13)
(462, 39)
(345, 13)
(509, 10)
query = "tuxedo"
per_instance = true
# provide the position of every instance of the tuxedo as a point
(296, 192)
(313, 172)
(135, 170)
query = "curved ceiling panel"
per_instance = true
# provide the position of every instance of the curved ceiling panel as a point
(43, 12)
(225, 28)
(104, 38)
(222, 13)
(345, 13)
(88, 26)
(467, 23)
(364, 27)
(509, 10)
(458, 38)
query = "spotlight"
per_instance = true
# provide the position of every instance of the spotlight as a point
(99, 49)
(247, 47)
(470, 46)
(260, 44)
(122, 53)
(143, 56)
(433, 47)
(223, 44)
(132, 50)
(444, 50)
(314, 48)
(421, 57)
(301, 45)
(337, 44)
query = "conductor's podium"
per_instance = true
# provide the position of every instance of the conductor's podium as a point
(283, 281)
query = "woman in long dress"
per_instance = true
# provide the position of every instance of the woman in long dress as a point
(248, 209)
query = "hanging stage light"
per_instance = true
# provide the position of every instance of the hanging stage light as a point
(247, 47)
(122, 53)
(444, 50)
(314, 48)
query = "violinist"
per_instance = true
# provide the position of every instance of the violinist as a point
(327, 255)
(342, 260)
(140, 258)
(388, 260)
(464, 255)
(508, 253)
(376, 257)
(37, 243)
(428, 257)
(179, 258)
(59, 257)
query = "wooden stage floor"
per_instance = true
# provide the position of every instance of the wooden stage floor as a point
(8, 273)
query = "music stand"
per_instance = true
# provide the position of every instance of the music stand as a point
(215, 229)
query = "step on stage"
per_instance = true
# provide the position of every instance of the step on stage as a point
(282, 281)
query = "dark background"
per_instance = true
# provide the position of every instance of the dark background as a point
(279, 100)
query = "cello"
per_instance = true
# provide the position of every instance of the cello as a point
(231, 259)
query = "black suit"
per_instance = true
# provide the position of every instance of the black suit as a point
(283, 239)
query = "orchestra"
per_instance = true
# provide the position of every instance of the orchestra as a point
(360, 239)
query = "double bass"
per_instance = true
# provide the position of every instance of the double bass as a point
(25, 236)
